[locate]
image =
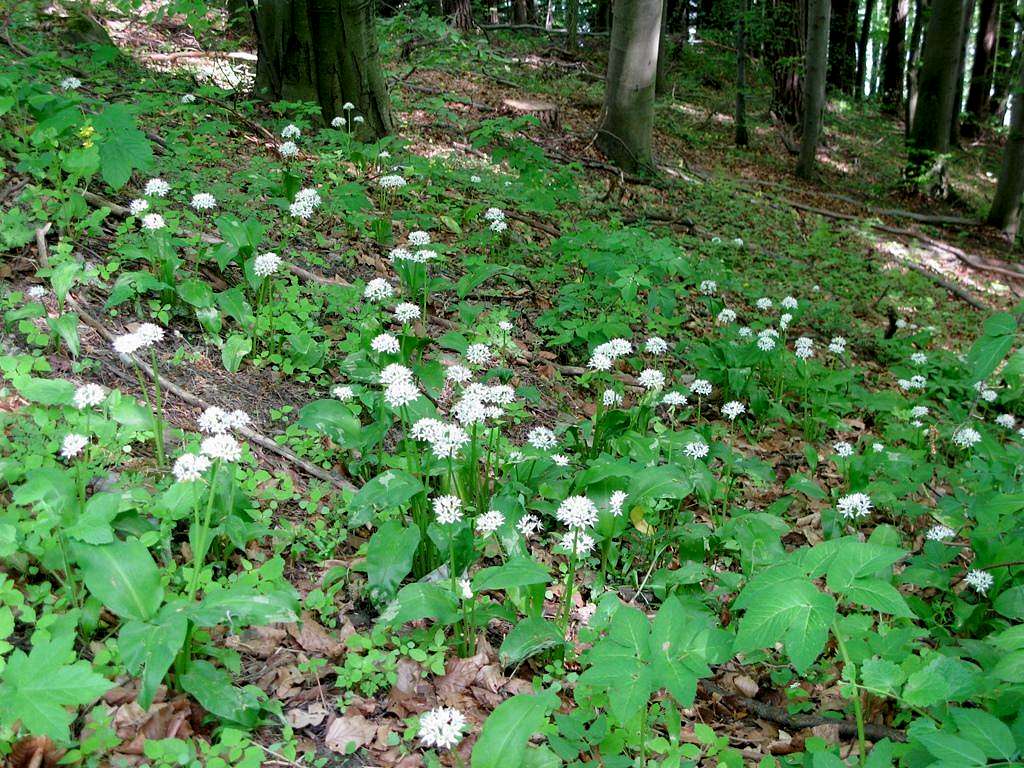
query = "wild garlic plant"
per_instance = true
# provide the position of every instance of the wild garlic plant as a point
(129, 346)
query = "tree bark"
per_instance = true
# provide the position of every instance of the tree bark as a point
(1004, 58)
(961, 69)
(459, 12)
(625, 132)
(940, 60)
(661, 78)
(323, 51)
(601, 19)
(1005, 211)
(842, 43)
(520, 13)
(784, 45)
(572, 24)
(862, 47)
(815, 65)
(894, 56)
(981, 70)
(742, 136)
(922, 10)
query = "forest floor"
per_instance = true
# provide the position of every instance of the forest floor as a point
(881, 258)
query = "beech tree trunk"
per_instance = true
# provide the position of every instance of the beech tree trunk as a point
(572, 24)
(661, 78)
(742, 136)
(940, 60)
(842, 45)
(784, 44)
(324, 51)
(1004, 58)
(625, 132)
(981, 70)
(520, 13)
(459, 12)
(894, 56)
(922, 9)
(1005, 211)
(815, 65)
(862, 47)
(961, 69)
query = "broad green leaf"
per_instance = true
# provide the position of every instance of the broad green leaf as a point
(389, 557)
(878, 595)
(123, 147)
(239, 605)
(45, 391)
(986, 731)
(391, 488)
(683, 641)
(503, 739)
(882, 676)
(234, 351)
(148, 648)
(213, 688)
(952, 749)
(50, 488)
(998, 334)
(528, 638)
(123, 576)
(421, 601)
(66, 326)
(662, 482)
(942, 679)
(334, 419)
(517, 572)
(1010, 602)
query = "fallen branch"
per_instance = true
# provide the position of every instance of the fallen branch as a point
(778, 715)
(538, 28)
(250, 434)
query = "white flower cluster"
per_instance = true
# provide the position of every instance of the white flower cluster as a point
(419, 238)
(804, 347)
(421, 256)
(939, 533)
(448, 509)
(843, 449)
(459, 374)
(203, 201)
(145, 336)
(651, 379)
(914, 382)
(700, 387)
(733, 409)
(696, 450)
(378, 289)
(708, 287)
(153, 222)
(288, 149)
(979, 581)
(291, 131)
(156, 187)
(966, 437)
(674, 399)
(189, 467)
(726, 317)
(610, 398)
(854, 505)
(391, 181)
(480, 402)
(767, 339)
(615, 502)
(385, 344)
(88, 395)
(577, 513)
(656, 345)
(445, 440)
(70, 84)
(489, 522)
(137, 206)
(478, 354)
(406, 312)
(72, 445)
(837, 346)
(216, 421)
(222, 447)
(306, 202)
(266, 264)
(606, 354)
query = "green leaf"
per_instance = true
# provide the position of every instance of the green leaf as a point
(662, 482)
(528, 638)
(683, 640)
(796, 613)
(389, 557)
(942, 679)
(235, 349)
(334, 419)
(618, 663)
(38, 687)
(882, 676)
(387, 490)
(45, 391)
(503, 739)
(123, 147)
(517, 572)
(880, 596)
(148, 648)
(198, 293)
(421, 601)
(998, 335)
(93, 525)
(952, 749)
(66, 326)
(123, 576)
(48, 487)
(1010, 602)
(213, 688)
(986, 731)
(239, 605)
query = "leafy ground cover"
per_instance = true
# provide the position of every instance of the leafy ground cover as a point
(460, 449)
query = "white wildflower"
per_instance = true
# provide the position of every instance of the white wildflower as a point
(577, 512)
(610, 398)
(442, 728)
(288, 149)
(222, 446)
(939, 533)
(732, 409)
(343, 392)
(708, 287)
(576, 543)
(266, 264)
(979, 581)
(843, 449)
(401, 393)
(153, 222)
(701, 387)
(378, 289)
(615, 502)
(156, 188)
(406, 312)
(490, 522)
(203, 201)
(72, 445)
(478, 354)
(651, 380)
(542, 438)
(656, 345)
(137, 206)
(696, 450)
(854, 505)
(448, 509)
(385, 344)
(189, 467)
(88, 395)
(291, 131)
(966, 437)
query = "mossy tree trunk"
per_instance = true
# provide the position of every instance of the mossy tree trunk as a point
(572, 24)
(784, 41)
(842, 45)
(1005, 211)
(815, 65)
(894, 57)
(459, 13)
(625, 132)
(324, 51)
(961, 70)
(661, 79)
(1004, 57)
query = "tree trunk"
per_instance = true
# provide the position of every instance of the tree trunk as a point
(1005, 211)
(324, 51)
(572, 24)
(876, 67)
(784, 44)
(842, 42)
(625, 132)
(520, 13)
(940, 60)
(601, 18)
(459, 12)
(742, 137)
(815, 65)
(1004, 58)
(981, 70)
(862, 47)
(895, 55)
(961, 69)
(661, 78)
(922, 10)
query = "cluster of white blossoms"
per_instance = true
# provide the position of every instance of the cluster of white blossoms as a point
(419, 238)
(650, 379)
(496, 217)
(784, 320)
(697, 449)
(88, 395)
(1006, 421)
(674, 399)
(459, 374)
(153, 222)
(266, 264)
(70, 84)
(203, 201)
(789, 303)
(343, 392)
(656, 345)
(385, 344)
(448, 509)
(979, 581)
(764, 303)
(419, 256)
(480, 402)
(188, 98)
(72, 445)
(939, 533)
(402, 390)
(919, 358)
(137, 206)
(306, 202)
(291, 131)
(733, 409)
(578, 514)
(542, 438)
(837, 346)
(478, 354)
(406, 312)
(854, 505)
(145, 336)
(391, 181)
(605, 355)
(445, 440)
(843, 449)
(442, 728)
(919, 411)
(288, 149)
(36, 292)
(745, 332)
(378, 289)
(615, 502)
(708, 287)
(610, 398)
(726, 317)
(966, 437)
(804, 347)
(156, 187)
(914, 382)
(189, 467)
(700, 387)
(489, 522)
(217, 421)
(529, 525)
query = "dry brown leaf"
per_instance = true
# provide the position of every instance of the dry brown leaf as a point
(313, 638)
(261, 642)
(311, 716)
(745, 685)
(34, 751)
(460, 673)
(347, 730)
